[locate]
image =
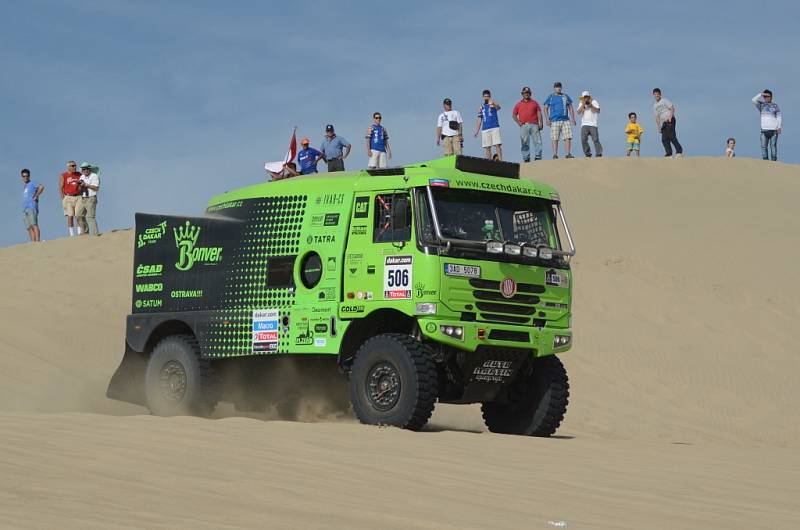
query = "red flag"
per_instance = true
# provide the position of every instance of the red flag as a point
(292, 148)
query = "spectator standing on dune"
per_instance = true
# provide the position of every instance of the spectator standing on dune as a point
(31, 192)
(334, 149)
(633, 132)
(488, 125)
(69, 186)
(559, 114)
(450, 129)
(87, 204)
(665, 122)
(589, 109)
(378, 149)
(771, 123)
(308, 157)
(528, 115)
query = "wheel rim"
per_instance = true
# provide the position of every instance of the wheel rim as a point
(383, 386)
(172, 379)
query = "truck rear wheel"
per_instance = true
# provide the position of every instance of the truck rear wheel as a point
(177, 381)
(536, 403)
(393, 382)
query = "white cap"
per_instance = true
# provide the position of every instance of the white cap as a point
(585, 93)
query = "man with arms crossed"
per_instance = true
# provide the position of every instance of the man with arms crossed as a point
(70, 188)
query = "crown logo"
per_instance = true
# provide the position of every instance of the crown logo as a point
(186, 235)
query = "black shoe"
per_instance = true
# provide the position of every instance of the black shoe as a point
(599, 156)
(588, 156)
(526, 160)
(569, 156)
(537, 158)
(555, 156)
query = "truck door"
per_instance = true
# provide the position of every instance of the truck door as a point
(379, 258)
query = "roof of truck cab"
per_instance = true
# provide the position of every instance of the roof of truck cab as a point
(439, 172)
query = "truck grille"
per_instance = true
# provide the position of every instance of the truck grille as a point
(494, 307)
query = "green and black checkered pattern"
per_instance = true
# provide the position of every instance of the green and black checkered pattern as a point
(272, 230)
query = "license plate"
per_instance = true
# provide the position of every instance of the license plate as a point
(456, 269)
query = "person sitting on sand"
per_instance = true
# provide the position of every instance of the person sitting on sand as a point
(730, 149)
(289, 170)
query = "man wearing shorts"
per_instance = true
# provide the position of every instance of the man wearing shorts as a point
(559, 114)
(489, 126)
(87, 204)
(450, 129)
(30, 205)
(378, 149)
(70, 188)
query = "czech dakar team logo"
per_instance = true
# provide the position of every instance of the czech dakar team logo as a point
(188, 253)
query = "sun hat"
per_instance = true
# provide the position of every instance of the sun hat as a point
(585, 93)
(86, 165)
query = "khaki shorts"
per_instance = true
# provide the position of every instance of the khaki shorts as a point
(69, 203)
(560, 129)
(87, 207)
(378, 159)
(490, 137)
(452, 145)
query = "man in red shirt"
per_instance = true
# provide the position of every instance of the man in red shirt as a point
(70, 193)
(528, 115)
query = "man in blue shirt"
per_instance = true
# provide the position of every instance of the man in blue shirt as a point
(334, 149)
(489, 126)
(378, 149)
(558, 113)
(308, 157)
(30, 205)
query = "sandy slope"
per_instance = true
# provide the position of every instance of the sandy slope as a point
(683, 388)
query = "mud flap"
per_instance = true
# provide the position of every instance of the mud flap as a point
(127, 383)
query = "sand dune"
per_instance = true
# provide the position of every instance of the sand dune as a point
(683, 374)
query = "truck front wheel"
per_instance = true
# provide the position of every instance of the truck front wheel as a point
(535, 404)
(177, 382)
(393, 382)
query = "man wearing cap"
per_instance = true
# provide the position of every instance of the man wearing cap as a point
(378, 149)
(528, 115)
(69, 186)
(589, 109)
(87, 204)
(334, 149)
(308, 157)
(450, 129)
(489, 126)
(558, 113)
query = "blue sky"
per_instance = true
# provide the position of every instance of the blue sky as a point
(177, 101)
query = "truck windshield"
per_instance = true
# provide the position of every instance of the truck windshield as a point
(478, 216)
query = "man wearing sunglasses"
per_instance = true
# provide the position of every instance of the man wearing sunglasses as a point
(378, 149)
(771, 123)
(70, 187)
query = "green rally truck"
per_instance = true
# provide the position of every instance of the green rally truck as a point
(447, 281)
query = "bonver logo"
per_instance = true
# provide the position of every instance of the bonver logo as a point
(188, 253)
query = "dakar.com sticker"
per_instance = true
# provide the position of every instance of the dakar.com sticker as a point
(265, 330)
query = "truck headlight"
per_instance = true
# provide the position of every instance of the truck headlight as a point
(530, 252)
(512, 249)
(561, 340)
(546, 253)
(426, 308)
(456, 332)
(494, 247)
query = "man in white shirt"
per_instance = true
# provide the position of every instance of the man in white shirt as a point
(589, 109)
(87, 204)
(450, 129)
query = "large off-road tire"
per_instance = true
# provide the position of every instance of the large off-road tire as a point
(177, 381)
(393, 382)
(536, 403)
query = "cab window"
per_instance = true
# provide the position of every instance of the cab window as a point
(392, 220)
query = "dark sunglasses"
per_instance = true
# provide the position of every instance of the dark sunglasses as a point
(377, 118)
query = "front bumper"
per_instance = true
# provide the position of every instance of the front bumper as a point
(543, 341)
